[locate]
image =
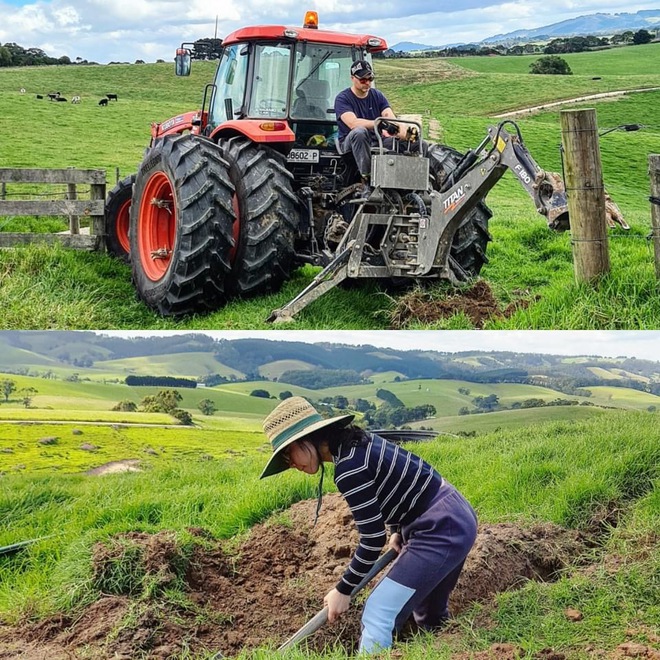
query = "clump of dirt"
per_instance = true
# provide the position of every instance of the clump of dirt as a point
(477, 302)
(260, 592)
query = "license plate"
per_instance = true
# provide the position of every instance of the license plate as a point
(303, 156)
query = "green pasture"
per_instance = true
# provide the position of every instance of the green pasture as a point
(624, 61)
(565, 472)
(189, 365)
(49, 287)
(509, 419)
(277, 368)
(20, 450)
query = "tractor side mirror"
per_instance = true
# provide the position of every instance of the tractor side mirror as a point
(182, 62)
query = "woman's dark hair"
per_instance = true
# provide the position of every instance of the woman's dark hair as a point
(348, 436)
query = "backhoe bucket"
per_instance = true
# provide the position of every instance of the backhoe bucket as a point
(551, 200)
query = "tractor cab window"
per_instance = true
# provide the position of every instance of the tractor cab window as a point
(270, 86)
(229, 97)
(320, 72)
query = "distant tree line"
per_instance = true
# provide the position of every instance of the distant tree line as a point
(319, 379)
(577, 44)
(491, 403)
(388, 416)
(206, 49)
(160, 381)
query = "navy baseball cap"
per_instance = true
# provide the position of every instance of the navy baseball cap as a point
(362, 69)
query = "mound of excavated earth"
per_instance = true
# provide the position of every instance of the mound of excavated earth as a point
(258, 592)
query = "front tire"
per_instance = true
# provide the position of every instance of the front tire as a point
(181, 232)
(267, 217)
(117, 219)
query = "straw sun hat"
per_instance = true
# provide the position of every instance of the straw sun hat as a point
(292, 420)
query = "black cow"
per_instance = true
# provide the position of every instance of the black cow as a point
(111, 97)
(103, 102)
(61, 99)
(40, 96)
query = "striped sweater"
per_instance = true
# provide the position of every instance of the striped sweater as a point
(382, 484)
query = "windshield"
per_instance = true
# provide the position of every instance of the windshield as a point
(320, 72)
(271, 80)
(229, 96)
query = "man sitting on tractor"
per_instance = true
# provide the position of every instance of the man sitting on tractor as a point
(356, 109)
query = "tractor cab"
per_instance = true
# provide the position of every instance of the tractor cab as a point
(278, 85)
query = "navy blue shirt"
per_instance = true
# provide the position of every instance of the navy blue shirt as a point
(370, 107)
(382, 484)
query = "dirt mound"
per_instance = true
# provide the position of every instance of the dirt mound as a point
(477, 302)
(259, 592)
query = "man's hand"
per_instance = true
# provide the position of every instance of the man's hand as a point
(389, 127)
(337, 603)
(396, 542)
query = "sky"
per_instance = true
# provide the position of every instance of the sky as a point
(642, 344)
(126, 30)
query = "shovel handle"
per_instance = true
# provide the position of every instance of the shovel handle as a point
(320, 618)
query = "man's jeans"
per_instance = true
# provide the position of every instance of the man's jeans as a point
(360, 141)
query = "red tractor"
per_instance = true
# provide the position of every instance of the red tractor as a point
(230, 198)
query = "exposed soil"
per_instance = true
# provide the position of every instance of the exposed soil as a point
(477, 302)
(257, 592)
(126, 465)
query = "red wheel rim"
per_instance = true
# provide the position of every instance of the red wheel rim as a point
(157, 226)
(122, 225)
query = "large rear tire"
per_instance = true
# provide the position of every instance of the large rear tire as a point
(267, 214)
(468, 249)
(181, 232)
(117, 219)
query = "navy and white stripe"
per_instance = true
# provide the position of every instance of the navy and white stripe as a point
(381, 483)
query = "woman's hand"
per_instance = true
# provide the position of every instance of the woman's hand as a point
(396, 542)
(337, 603)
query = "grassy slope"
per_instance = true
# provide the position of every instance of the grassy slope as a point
(48, 288)
(545, 473)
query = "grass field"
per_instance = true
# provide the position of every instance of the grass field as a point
(568, 473)
(81, 412)
(54, 288)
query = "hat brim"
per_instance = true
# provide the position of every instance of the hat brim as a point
(277, 463)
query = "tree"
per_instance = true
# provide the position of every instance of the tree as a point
(264, 394)
(206, 406)
(27, 394)
(551, 64)
(126, 406)
(165, 401)
(8, 386)
(285, 394)
(5, 56)
(642, 37)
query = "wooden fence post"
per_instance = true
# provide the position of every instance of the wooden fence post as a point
(585, 194)
(654, 173)
(74, 220)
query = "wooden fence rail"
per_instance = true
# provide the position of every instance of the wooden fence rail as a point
(71, 207)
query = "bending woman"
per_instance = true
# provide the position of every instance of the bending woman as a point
(432, 525)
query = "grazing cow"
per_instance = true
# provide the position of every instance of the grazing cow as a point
(75, 99)
(40, 96)
(111, 97)
(103, 102)
(53, 96)
(22, 90)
